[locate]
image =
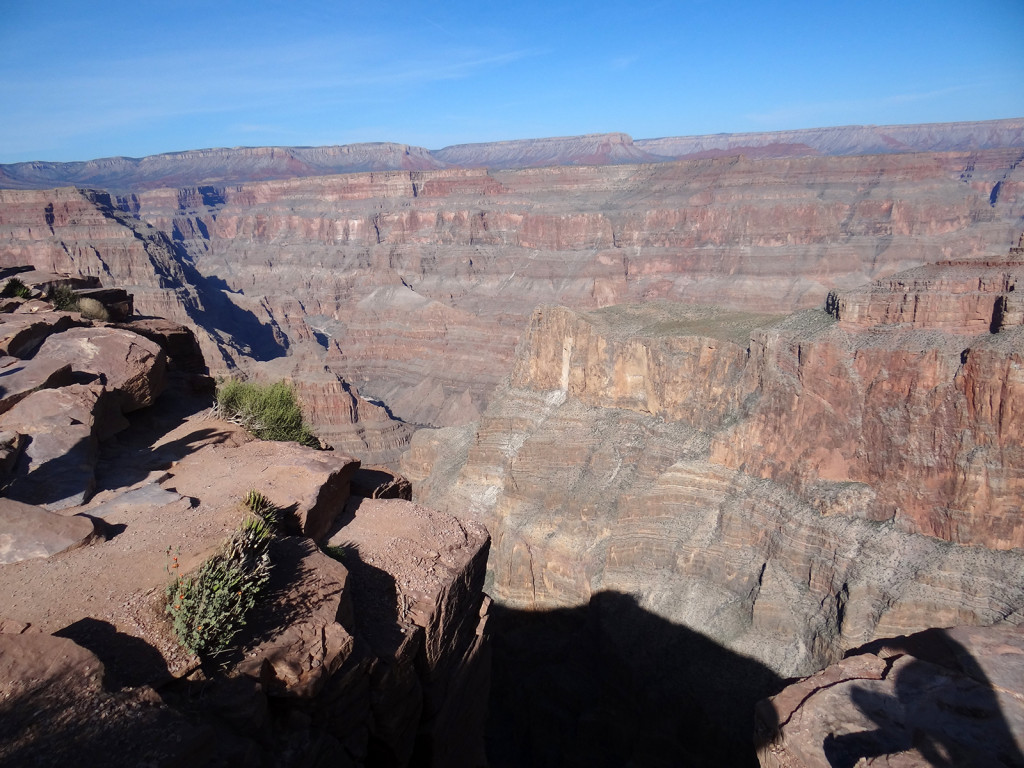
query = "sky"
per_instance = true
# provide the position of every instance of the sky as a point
(82, 80)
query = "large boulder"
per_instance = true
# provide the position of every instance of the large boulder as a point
(178, 341)
(22, 334)
(27, 531)
(57, 467)
(128, 363)
(939, 697)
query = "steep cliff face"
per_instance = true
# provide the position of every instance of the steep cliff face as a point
(415, 285)
(424, 280)
(80, 231)
(789, 487)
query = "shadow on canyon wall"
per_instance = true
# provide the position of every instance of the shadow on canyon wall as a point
(218, 312)
(611, 684)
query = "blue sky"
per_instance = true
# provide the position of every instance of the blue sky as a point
(82, 80)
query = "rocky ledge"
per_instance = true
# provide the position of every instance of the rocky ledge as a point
(116, 478)
(938, 697)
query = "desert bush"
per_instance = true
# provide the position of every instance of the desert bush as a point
(269, 411)
(210, 606)
(63, 298)
(16, 288)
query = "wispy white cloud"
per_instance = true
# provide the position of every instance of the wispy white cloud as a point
(45, 108)
(623, 62)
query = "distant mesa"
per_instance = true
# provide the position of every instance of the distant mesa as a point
(241, 164)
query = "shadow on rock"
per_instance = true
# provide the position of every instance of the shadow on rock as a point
(58, 707)
(218, 312)
(129, 661)
(611, 684)
(935, 701)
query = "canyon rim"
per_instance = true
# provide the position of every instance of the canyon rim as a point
(730, 408)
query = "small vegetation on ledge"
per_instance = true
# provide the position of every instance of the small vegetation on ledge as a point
(269, 411)
(16, 288)
(210, 606)
(64, 299)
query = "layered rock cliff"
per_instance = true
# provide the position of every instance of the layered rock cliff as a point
(787, 487)
(423, 281)
(241, 164)
(415, 285)
(81, 232)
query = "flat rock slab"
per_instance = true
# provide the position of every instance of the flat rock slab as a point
(311, 484)
(22, 334)
(57, 467)
(130, 364)
(28, 531)
(940, 697)
(146, 496)
(20, 378)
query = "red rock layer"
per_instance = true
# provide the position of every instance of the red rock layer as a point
(425, 279)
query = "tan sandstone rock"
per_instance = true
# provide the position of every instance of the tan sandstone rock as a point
(129, 364)
(27, 531)
(310, 485)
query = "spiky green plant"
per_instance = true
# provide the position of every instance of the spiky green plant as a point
(63, 298)
(263, 508)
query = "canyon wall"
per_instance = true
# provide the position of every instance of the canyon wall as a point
(414, 286)
(240, 164)
(786, 487)
(423, 281)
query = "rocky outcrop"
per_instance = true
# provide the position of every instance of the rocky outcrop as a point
(940, 697)
(68, 390)
(789, 488)
(374, 655)
(65, 227)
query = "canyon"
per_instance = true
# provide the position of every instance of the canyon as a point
(730, 407)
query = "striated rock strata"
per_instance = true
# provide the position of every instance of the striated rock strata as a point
(416, 285)
(81, 232)
(788, 487)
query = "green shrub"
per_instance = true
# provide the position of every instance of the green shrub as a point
(210, 606)
(63, 298)
(16, 288)
(271, 411)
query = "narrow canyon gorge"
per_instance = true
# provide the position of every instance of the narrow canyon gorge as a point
(731, 409)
